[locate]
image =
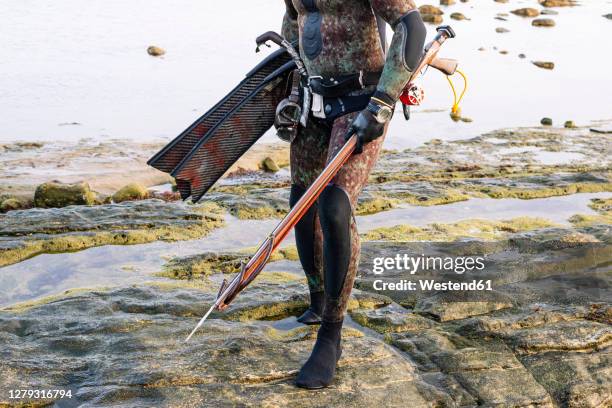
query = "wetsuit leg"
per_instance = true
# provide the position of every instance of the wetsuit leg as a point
(308, 156)
(340, 252)
(351, 179)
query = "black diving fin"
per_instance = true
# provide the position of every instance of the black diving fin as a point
(202, 153)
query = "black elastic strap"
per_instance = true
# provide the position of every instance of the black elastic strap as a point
(341, 85)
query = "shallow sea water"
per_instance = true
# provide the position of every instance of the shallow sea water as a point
(114, 265)
(70, 61)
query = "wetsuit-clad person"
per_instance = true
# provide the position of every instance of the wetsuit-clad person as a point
(344, 54)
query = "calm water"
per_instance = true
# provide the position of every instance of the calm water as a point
(112, 265)
(66, 61)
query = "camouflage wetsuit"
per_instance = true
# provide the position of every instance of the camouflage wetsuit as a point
(338, 38)
(349, 42)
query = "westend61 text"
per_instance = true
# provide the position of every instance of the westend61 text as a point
(430, 284)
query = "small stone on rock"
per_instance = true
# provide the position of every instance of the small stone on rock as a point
(501, 30)
(268, 164)
(544, 64)
(57, 194)
(522, 55)
(11, 204)
(458, 16)
(155, 51)
(432, 18)
(447, 2)
(130, 192)
(526, 12)
(546, 122)
(569, 124)
(429, 9)
(557, 3)
(543, 22)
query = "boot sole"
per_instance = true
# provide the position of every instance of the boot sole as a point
(306, 387)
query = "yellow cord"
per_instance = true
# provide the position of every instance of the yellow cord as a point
(455, 109)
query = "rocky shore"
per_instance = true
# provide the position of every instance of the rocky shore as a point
(540, 337)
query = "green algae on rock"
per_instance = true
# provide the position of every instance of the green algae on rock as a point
(11, 204)
(26, 233)
(132, 191)
(268, 164)
(520, 163)
(209, 263)
(482, 229)
(603, 206)
(55, 194)
(253, 201)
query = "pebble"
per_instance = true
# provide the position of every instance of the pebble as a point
(429, 9)
(432, 18)
(521, 55)
(526, 12)
(268, 164)
(155, 51)
(569, 124)
(544, 64)
(501, 30)
(543, 22)
(546, 122)
(557, 3)
(458, 16)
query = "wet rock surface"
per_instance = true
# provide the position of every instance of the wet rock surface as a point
(514, 163)
(541, 337)
(26, 233)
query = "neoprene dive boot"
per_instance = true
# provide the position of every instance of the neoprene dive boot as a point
(312, 315)
(320, 368)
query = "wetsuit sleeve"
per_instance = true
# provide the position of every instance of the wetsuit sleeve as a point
(406, 45)
(290, 24)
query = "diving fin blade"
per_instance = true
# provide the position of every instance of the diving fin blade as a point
(201, 154)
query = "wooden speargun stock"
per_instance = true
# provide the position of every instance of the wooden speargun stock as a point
(250, 270)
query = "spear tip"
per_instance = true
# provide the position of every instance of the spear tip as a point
(200, 323)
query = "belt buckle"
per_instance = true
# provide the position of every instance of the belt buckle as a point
(318, 111)
(314, 77)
